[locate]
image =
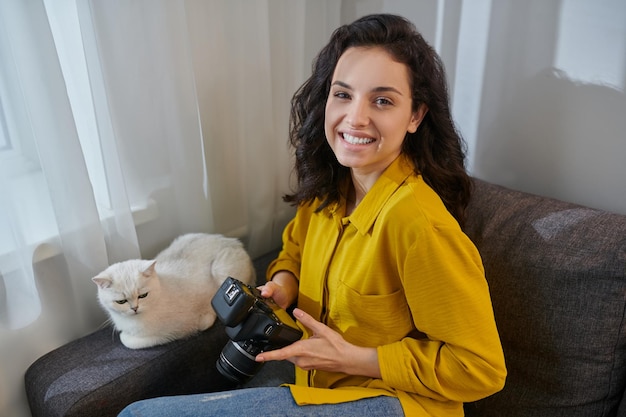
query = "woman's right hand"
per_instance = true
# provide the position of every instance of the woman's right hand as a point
(283, 289)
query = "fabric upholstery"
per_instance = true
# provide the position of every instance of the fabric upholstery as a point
(557, 275)
(97, 376)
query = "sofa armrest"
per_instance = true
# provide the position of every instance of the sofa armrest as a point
(98, 376)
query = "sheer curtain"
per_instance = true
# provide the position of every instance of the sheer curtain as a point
(50, 227)
(124, 124)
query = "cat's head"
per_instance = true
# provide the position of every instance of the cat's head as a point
(128, 288)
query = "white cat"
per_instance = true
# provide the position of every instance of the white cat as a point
(157, 301)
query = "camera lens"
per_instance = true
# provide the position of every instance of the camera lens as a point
(236, 362)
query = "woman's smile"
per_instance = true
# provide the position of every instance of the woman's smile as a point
(356, 140)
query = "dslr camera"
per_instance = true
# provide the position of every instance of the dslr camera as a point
(254, 324)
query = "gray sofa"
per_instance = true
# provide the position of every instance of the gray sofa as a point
(557, 273)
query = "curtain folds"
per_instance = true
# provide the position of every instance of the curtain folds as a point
(124, 125)
(52, 235)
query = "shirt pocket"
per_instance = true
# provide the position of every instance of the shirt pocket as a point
(371, 320)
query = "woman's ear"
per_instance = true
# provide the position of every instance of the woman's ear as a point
(417, 117)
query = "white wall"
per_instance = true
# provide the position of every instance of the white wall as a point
(553, 109)
(538, 89)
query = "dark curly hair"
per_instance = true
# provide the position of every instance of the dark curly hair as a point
(436, 148)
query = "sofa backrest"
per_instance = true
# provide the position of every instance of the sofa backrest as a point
(557, 276)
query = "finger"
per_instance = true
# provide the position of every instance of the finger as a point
(309, 322)
(275, 355)
(267, 290)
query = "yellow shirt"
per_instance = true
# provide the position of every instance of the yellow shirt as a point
(399, 275)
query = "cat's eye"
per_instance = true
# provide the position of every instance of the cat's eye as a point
(144, 295)
(121, 301)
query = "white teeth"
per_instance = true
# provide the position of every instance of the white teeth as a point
(356, 141)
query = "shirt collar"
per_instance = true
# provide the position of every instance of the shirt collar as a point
(369, 208)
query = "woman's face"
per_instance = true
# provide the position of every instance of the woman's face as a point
(369, 110)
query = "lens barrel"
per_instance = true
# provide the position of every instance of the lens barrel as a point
(236, 364)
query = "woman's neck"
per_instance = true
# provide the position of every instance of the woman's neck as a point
(359, 186)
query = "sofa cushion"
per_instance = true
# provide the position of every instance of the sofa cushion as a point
(556, 272)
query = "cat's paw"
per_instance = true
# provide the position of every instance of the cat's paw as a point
(137, 342)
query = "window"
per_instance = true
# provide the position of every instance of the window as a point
(28, 215)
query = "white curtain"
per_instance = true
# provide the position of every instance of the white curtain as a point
(52, 235)
(124, 124)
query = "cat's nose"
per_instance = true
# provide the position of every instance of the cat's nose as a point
(135, 308)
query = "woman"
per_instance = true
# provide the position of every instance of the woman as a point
(390, 292)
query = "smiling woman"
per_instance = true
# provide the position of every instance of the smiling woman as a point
(381, 178)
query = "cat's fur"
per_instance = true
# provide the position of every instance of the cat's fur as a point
(152, 302)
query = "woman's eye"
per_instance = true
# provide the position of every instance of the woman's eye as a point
(121, 301)
(342, 95)
(144, 295)
(382, 101)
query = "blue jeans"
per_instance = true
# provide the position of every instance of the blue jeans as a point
(262, 402)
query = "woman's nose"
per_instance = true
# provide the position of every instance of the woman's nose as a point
(358, 113)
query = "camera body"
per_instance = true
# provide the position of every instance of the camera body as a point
(254, 324)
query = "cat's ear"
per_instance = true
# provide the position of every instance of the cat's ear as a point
(149, 271)
(102, 281)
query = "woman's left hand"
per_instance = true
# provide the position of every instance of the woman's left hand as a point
(325, 350)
